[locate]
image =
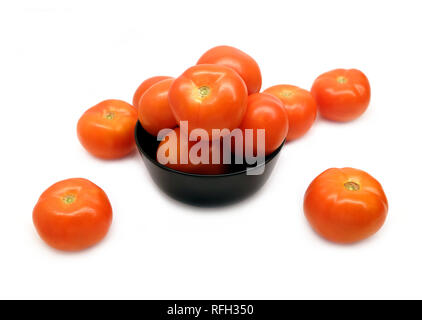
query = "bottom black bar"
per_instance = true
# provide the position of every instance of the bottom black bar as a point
(211, 309)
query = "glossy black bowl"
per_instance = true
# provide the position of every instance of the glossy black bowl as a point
(198, 189)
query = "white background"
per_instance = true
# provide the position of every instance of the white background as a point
(59, 58)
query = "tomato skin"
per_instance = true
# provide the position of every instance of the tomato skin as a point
(265, 111)
(107, 129)
(239, 61)
(342, 95)
(144, 86)
(341, 214)
(200, 168)
(154, 111)
(77, 225)
(209, 97)
(300, 106)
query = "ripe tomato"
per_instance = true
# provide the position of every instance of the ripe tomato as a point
(209, 97)
(171, 150)
(107, 129)
(345, 205)
(239, 61)
(300, 106)
(265, 112)
(342, 95)
(144, 86)
(154, 110)
(72, 214)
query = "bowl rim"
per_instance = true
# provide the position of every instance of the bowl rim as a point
(268, 158)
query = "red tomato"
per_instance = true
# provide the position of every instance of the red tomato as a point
(144, 86)
(170, 149)
(300, 106)
(107, 129)
(209, 97)
(239, 61)
(342, 95)
(154, 110)
(265, 112)
(345, 205)
(72, 214)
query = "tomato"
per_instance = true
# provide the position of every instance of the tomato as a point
(154, 110)
(171, 150)
(144, 86)
(239, 61)
(266, 112)
(72, 214)
(300, 106)
(345, 205)
(209, 97)
(342, 95)
(107, 129)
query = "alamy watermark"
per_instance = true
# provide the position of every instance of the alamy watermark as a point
(244, 150)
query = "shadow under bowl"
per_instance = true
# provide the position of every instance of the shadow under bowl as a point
(200, 189)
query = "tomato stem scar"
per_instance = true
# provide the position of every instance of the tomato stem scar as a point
(286, 93)
(69, 198)
(109, 115)
(351, 186)
(341, 79)
(204, 91)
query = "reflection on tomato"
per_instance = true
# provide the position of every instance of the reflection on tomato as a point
(72, 214)
(342, 95)
(171, 153)
(107, 129)
(144, 86)
(237, 60)
(209, 97)
(345, 205)
(300, 106)
(154, 110)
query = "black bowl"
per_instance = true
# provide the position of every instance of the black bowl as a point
(199, 189)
